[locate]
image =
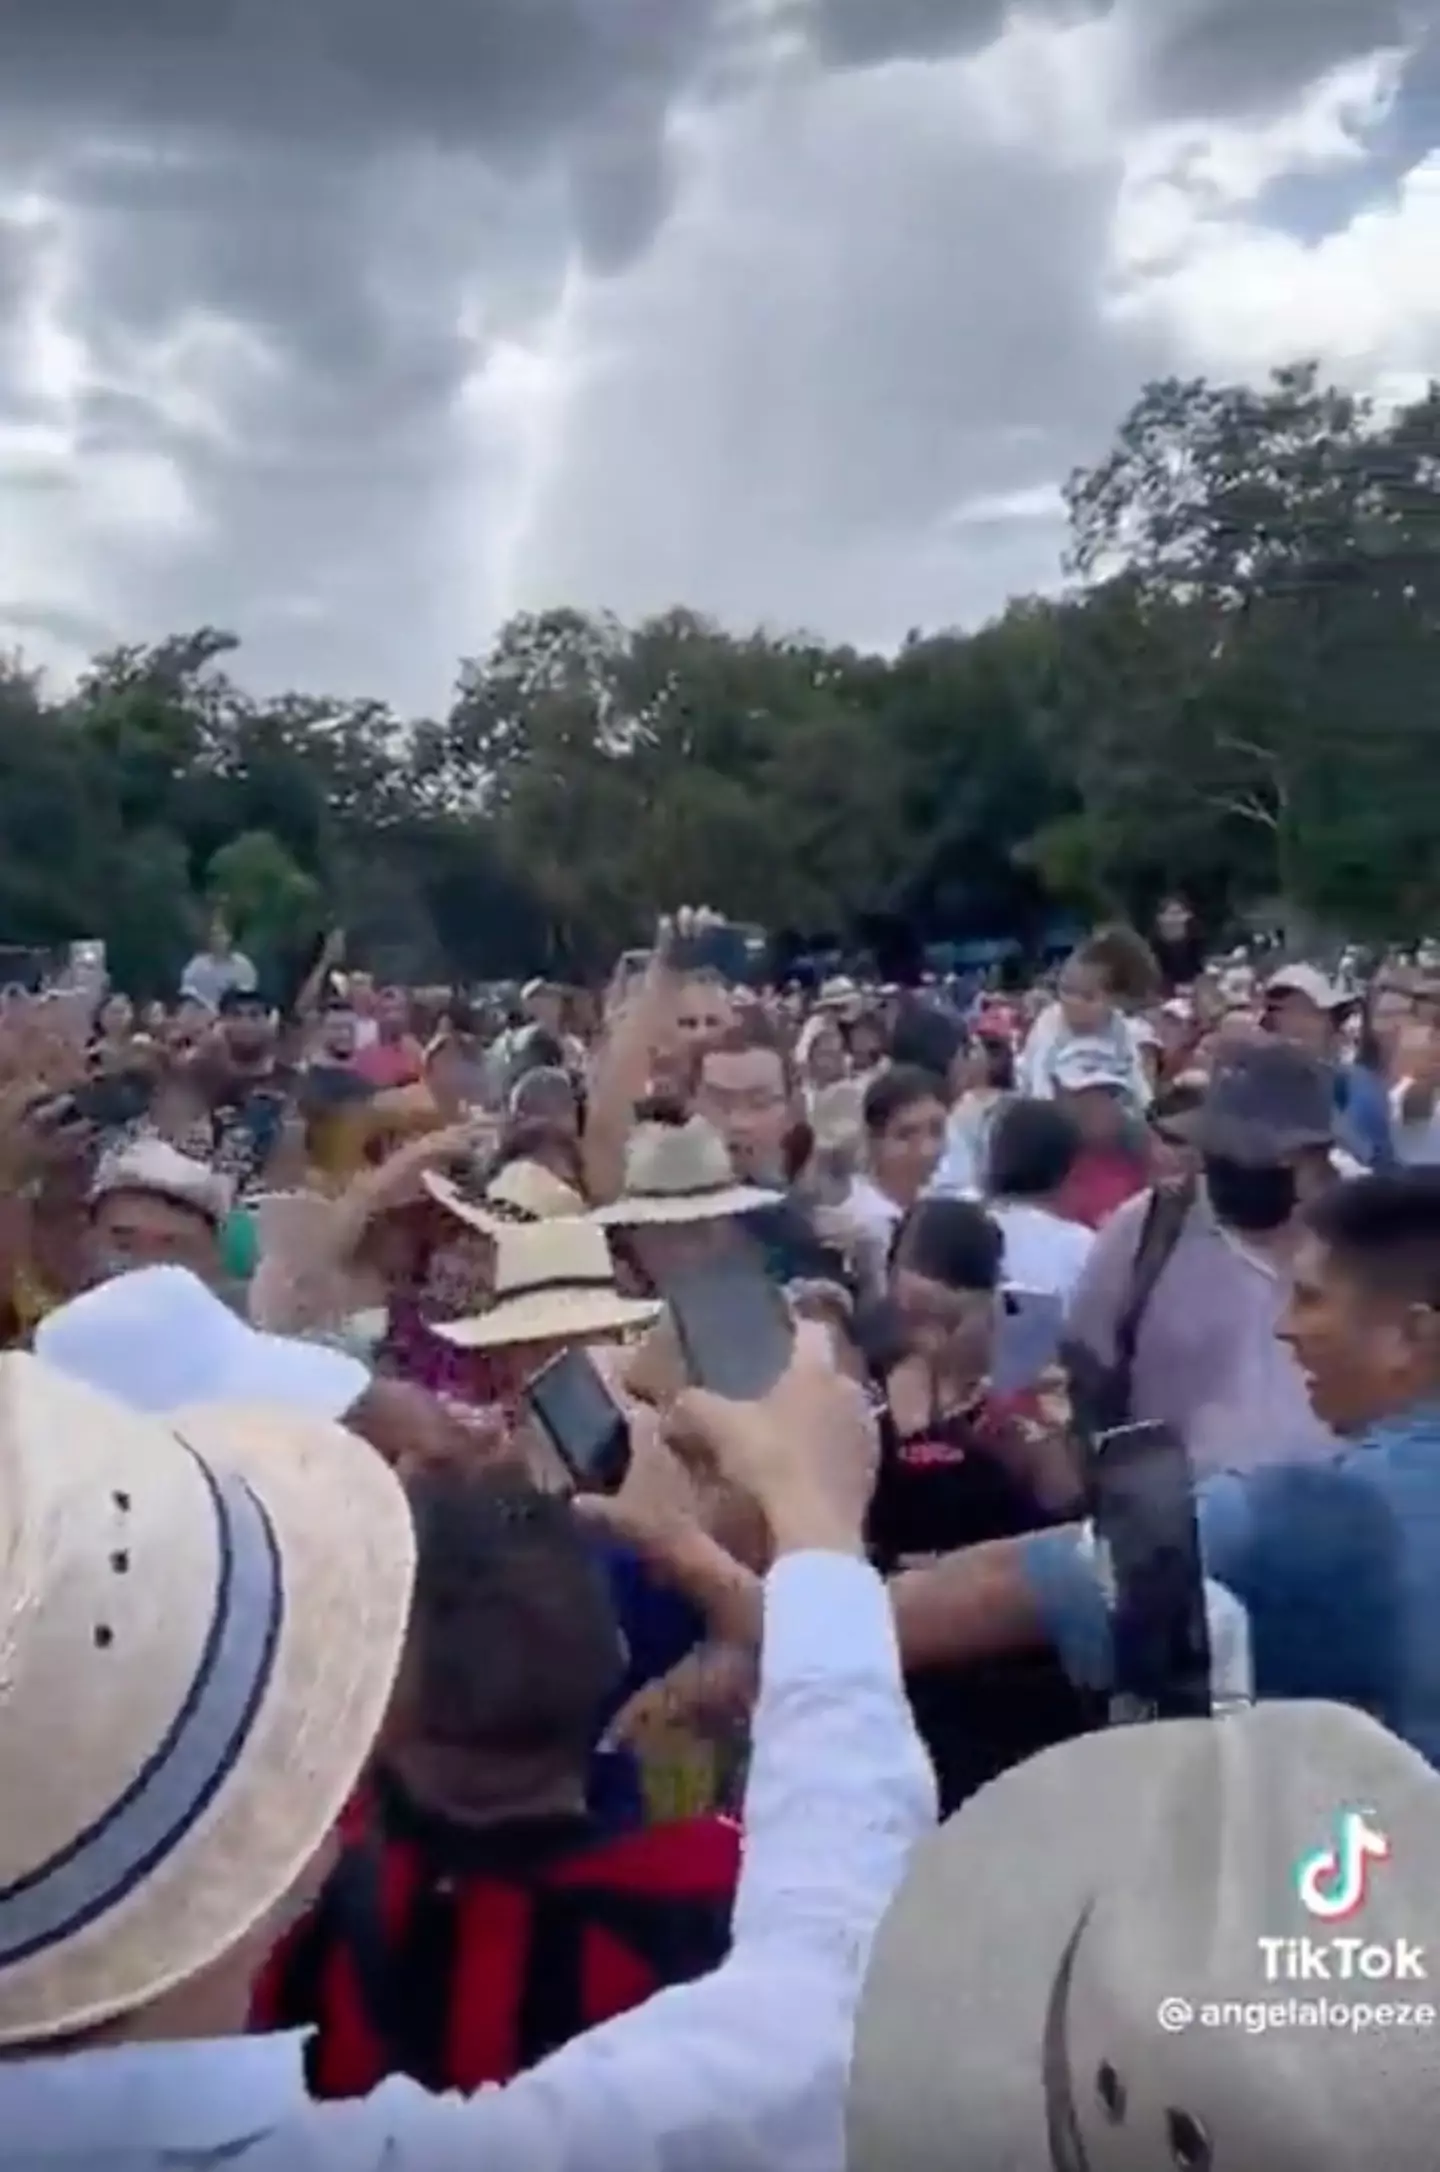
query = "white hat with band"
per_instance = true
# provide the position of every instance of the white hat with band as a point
(201, 1621)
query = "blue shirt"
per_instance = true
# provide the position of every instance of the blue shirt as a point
(1337, 1564)
(659, 1630)
(1363, 1107)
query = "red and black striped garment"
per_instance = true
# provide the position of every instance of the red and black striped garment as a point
(462, 1956)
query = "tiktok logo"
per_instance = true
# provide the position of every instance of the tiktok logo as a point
(1332, 1883)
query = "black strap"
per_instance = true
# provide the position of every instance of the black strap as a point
(1102, 1394)
(1165, 1220)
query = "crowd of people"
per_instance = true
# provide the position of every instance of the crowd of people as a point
(378, 1794)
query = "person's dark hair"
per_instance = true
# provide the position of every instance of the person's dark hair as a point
(543, 1052)
(925, 1038)
(999, 1062)
(533, 1139)
(1034, 1145)
(1181, 1099)
(1125, 963)
(895, 1090)
(1384, 1232)
(662, 1109)
(950, 1241)
(514, 1643)
(750, 1030)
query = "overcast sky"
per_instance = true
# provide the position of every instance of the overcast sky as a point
(354, 326)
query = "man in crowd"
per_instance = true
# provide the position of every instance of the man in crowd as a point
(1212, 1265)
(1337, 1564)
(508, 1916)
(218, 969)
(122, 1987)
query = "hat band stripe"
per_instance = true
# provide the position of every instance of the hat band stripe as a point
(685, 1191)
(94, 1872)
(553, 1285)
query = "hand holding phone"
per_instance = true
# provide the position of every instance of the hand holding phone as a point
(1143, 1512)
(735, 1330)
(698, 940)
(581, 1419)
(1027, 1344)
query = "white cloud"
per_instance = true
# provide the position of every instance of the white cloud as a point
(1196, 258)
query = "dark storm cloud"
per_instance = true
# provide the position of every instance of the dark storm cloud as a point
(1240, 56)
(1197, 57)
(505, 72)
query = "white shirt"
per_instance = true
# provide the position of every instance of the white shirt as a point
(744, 2071)
(1417, 1146)
(209, 979)
(1042, 1250)
(874, 1215)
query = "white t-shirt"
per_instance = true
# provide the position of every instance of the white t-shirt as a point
(1042, 1250)
(1417, 1146)
(874, 1217)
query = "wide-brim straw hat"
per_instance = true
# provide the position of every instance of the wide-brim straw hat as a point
(1097, 1965)
(679, 1173)
(202, 1621)
(522, 1190)
(554, 1282)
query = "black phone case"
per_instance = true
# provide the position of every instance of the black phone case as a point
(1143, 1509)
(734, 1327)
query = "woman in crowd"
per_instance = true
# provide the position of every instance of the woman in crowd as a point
(961, 1465)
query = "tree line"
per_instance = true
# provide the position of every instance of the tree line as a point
(1237, 695)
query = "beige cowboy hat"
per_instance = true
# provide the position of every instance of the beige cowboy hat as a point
(677, 1173)
(522, 1191)
(202, 1619)
(1130, 1952)
(554, 1282)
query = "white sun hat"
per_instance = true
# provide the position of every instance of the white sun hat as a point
(554, 1282)
(158, 1339)
(201, 1624)
(1107, 1960)
(679, 1173)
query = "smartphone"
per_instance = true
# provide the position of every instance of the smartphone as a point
(720, 949)
(735, 1330)
(1142, 1506)
(582, 1422)
(1027, 1343)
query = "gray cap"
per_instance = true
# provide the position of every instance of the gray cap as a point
(1266, 1100)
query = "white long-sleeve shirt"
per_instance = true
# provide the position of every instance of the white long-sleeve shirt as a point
(744, 2071)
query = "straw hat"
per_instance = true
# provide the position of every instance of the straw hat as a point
(521, 1191)
(554, 1282)
(679, 1173)
(202, 1621)
(150, 1165)
(1130, 1951)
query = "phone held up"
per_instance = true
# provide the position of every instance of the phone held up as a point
(735, 1330)
(582, 1421)
(735, 1333)
(1143, 1514)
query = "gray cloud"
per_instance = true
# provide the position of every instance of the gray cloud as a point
(358, 205)
(1240, 56)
